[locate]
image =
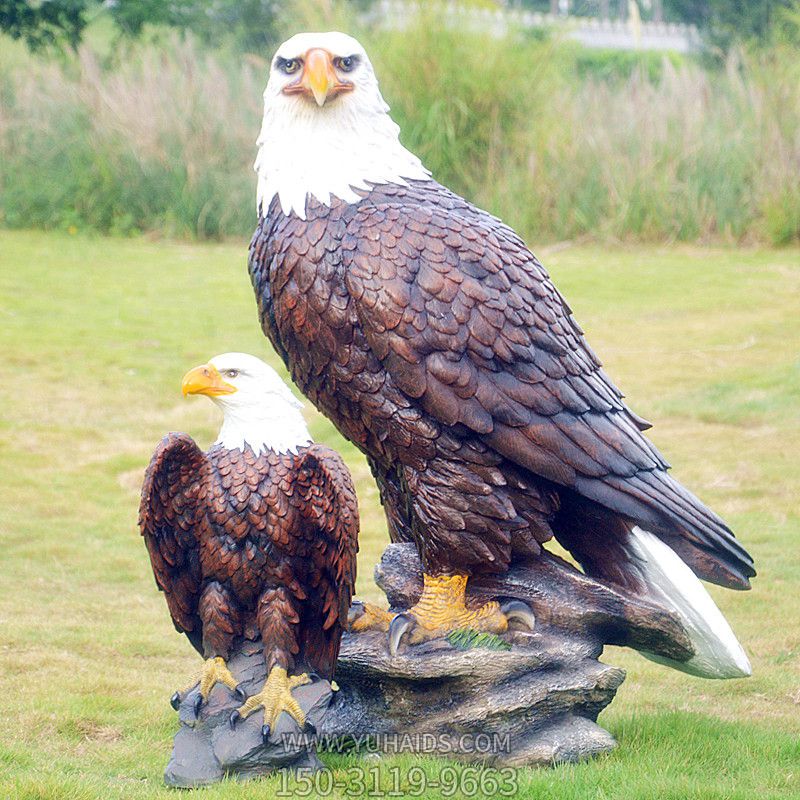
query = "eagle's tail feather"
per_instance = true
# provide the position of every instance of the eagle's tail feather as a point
(670, 582)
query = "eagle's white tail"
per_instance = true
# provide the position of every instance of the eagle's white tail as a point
(670, 582)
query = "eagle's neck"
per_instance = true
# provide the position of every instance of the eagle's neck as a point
(264, 428)
(329, 152)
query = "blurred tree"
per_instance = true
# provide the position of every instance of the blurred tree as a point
(788, 25)
(132, 15)
(45, 23)
(254, 24)
(726, 21)
(251, 23)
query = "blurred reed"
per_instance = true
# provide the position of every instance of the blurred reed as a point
(160, 138)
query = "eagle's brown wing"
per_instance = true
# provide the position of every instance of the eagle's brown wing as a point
(465, 319)
(171, 515)
(328, 503)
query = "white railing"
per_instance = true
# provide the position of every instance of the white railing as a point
(590, 31)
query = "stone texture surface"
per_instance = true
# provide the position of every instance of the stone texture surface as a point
(534, 704)
(205, 749)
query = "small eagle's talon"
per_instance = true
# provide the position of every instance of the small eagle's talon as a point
(175, 701)
(310, 728)
(240, 694)
(233, 719)
(197, 704)
(520, 612)
(265, 731)
(398, 628)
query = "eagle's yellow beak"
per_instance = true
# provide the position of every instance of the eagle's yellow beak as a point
(319, 77)
(205, 380)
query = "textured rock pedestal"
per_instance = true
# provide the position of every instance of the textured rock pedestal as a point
(205, 749)
(534, 704)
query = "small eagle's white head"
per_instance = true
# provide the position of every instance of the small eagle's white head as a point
(326, 129)
(258, 408)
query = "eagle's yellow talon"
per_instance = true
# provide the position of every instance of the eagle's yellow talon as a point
(213, 671)
(442, 608)
(275, 697)
(367, 617)
(299, 680)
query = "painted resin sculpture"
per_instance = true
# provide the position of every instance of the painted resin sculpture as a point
(254, 539)
(434, 340)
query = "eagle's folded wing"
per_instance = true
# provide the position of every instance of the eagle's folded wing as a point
(171, 515)
(464, 318)
(329, 505)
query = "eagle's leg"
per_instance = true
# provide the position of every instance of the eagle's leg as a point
(278, 617)
(220, 617)
(442, 609)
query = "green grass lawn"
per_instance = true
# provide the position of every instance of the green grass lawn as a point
(95, 335)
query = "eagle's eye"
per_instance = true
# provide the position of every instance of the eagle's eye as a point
(231, 373)
(346, 63)
(288, 65)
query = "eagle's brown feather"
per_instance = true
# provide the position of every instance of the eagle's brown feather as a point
(437, 343)
(243, 544)
(172, 523)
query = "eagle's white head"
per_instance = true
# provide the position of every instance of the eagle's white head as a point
(257, 406)
(326, 128)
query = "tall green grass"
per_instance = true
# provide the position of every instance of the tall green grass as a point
(162, 141)
(160, 137)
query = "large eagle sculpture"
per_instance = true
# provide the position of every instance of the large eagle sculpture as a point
(257, 537)
(433, 338)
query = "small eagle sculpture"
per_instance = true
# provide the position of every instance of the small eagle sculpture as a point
(257, 537)
(434, 339)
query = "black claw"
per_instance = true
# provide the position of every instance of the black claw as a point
(398, 628)
(519, 611)
(197, 704)
(265, 733)
(240, 693)
(314, 676)
(175, 701)
(310, 728)
(233, 719)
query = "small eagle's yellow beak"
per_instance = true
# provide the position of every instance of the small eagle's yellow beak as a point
(319, 78)
(205, 380)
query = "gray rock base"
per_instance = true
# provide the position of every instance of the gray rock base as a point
(205, 749)
(535, 704)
